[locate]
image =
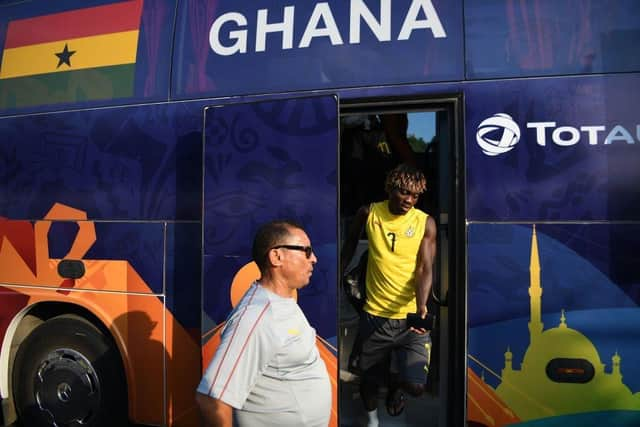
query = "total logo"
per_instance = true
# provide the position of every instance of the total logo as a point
(500, 133)
(505, 132)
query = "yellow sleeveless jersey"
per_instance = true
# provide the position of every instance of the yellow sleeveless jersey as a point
(394, 241)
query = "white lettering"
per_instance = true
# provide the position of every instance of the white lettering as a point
(323, 11)
(592, 131)
(240, 36)
(574, 136)
(619, 133)
(411, 21)
(285, 27)
(539, 127)
(381, 29)
(566, 136)
(420, 16)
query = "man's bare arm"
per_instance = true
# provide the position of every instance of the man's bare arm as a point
(214, 412)
(424, 267)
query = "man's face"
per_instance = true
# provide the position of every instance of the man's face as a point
(401, 200)
(297, 267)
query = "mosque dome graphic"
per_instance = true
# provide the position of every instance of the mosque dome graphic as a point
(561, 373)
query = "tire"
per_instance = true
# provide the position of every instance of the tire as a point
(67, 373)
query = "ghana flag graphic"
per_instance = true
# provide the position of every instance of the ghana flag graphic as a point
(78, 55)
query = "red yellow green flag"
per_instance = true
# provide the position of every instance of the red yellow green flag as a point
(78, 55)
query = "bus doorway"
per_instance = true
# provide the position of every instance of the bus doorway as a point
(375, 137)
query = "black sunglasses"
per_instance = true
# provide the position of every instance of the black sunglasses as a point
(308, 250)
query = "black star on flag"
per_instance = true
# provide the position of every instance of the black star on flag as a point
(65, 56)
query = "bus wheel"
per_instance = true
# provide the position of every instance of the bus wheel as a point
(68, 373)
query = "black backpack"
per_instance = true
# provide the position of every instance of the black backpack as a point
(354, 283)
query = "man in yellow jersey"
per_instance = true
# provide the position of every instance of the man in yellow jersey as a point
(402, 246)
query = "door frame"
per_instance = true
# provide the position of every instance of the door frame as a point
(453, 292)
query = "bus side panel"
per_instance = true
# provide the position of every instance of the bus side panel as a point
(113, 255)
(182, 274)
(553, 315)
(553, 149)
(430, 48)
(142, 245)
(183, 293)
(134, 163)
(137, 324)
(68, 176)
(553, 290)
(506, 38)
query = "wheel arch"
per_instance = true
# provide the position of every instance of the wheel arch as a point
(24, 322)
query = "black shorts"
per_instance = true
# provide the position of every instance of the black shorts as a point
(381, 341)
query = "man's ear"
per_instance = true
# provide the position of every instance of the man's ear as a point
(274, 257)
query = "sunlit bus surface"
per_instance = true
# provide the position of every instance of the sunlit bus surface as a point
(142, 142)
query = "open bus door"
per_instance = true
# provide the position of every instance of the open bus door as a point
(431, 127)
(263, 161)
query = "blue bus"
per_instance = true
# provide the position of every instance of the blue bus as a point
(142, 142)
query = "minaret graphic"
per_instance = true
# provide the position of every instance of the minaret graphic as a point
(615, 366)
(535, 291)
(508, 362)
(531, 392)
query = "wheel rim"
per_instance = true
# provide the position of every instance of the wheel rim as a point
(67, 388)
